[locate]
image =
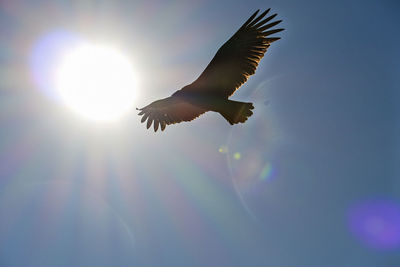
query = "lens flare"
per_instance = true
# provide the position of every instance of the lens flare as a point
(254, 157)
(267, 172)
(237, 156)
(223, 149)
(376, 223)
(45, 56)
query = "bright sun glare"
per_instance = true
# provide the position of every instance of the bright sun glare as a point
(97, 82)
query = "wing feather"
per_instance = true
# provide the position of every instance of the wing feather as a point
(168, 111)
(265, 20)
(253, 22)
(238, 58)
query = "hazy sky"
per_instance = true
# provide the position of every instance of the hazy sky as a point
(311, 179)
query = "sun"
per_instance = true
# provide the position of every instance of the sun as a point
(97, 82)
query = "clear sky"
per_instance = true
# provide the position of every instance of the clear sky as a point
(311, 179)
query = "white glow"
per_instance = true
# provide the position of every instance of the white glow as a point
(97, 82)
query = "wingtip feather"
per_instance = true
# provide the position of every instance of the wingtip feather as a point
(262, 15)
(273, 39)
(265, 20)
(250, 19)
(156, 125)
(163, 125)
(272, 31)
(149, 121)
(268, 26)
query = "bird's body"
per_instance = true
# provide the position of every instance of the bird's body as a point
(234, 62)
(230, 110)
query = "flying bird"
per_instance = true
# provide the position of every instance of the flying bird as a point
(231, 66)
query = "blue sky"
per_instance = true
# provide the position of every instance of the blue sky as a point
(311, 179)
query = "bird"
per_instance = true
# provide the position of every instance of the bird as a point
(235, 61)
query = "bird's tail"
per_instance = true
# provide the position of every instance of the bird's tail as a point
(235, 112)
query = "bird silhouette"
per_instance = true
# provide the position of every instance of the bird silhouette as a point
(231, 66)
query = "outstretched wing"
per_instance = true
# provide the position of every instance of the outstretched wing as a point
(168, 111)
(238, 58)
